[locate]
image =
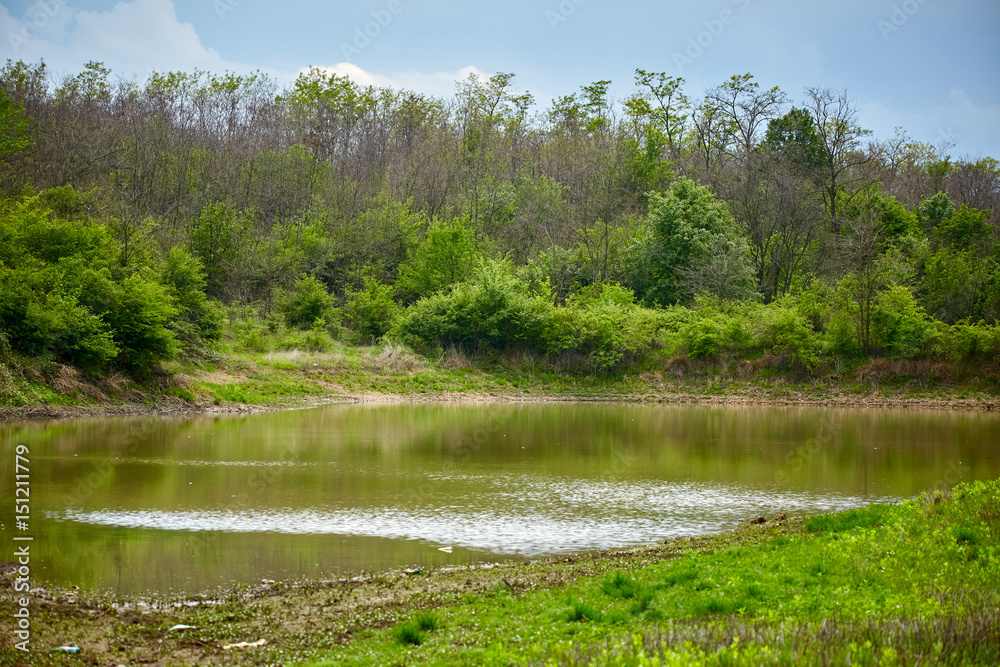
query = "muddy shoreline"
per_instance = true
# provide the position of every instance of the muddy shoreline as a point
(175, 407)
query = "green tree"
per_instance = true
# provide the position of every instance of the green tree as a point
(372, 311)
(793, 138)
(447, 255)
(493, 310)
(689, 226)
(307, 303)
(661, 109)
(934, 210)
(139, 315)
(198, 319)
(14, 136)
(215, 240)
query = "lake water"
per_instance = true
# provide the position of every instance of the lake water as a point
(191, 503)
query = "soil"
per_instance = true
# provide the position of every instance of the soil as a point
(297, 619)
(175, 406)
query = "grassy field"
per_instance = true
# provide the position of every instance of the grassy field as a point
(236, 379)
(907, 584)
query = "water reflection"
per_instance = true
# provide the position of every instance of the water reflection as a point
(190, 503)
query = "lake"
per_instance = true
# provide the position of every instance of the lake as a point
(191, 503)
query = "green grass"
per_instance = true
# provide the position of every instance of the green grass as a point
(862, 517)
(914, 583)
(885, 584)
(281, 369)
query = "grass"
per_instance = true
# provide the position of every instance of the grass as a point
(915, 582)
(906, 584)
(862, 517)
(275, 375)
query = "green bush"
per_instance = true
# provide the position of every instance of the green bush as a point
(63, 297)
(783, 330)
(198, 319)
(491, 311)
(965, 341)
(448, 255)
(42, 317)
(899, 325)
(715, 334)
(372, 312)
(138, 316)
(306, 302)
(604, 323)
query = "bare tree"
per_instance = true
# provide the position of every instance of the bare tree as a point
(747, 108)
(847, 164)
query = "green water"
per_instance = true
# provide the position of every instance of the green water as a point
(192, 503)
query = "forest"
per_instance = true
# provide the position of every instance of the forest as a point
(193, 212)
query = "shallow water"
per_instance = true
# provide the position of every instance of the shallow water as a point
(187, 504)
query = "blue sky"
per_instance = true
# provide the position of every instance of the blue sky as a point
(930, 66)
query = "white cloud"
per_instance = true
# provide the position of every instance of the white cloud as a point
(438, 84)
(136, 37)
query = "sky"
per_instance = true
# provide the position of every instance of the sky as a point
(929, 66)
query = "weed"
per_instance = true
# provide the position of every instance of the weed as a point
(408, 633)
(581, 611)
(965, 534)
(621, 585)
(862, 517)
(426, 620)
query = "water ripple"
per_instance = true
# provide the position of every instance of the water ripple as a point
(564, 517)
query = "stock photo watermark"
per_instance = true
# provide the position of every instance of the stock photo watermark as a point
(364, 35)
(702, 41)
(223, 7)
(948, 137)
(464, 451)
(561, 14)
(803, 455)
(22, 547)
(36, 18)
(900, 16)
(952, 476)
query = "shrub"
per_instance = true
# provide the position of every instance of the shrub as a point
(714, 334)
(306, 302)
(492, 311)
(62, 296)
(603, 322)
(138, 316)
(408, 633)
(899, 325)
(372, 312)
(784, 331)
(198, 318)
(447, 255)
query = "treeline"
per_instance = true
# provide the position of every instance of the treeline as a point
(742, 224)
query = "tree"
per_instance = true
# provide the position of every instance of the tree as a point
(447, 255)
(307, 304)
(769, 200)
(661, 108)
(139, 314)
(746, 108)
(13, 127)
(688, 223)
(372, 312)
(215, 237)
(844, 159)
(198, 319)
(793, 140)
(872, 271)
(712, 136)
